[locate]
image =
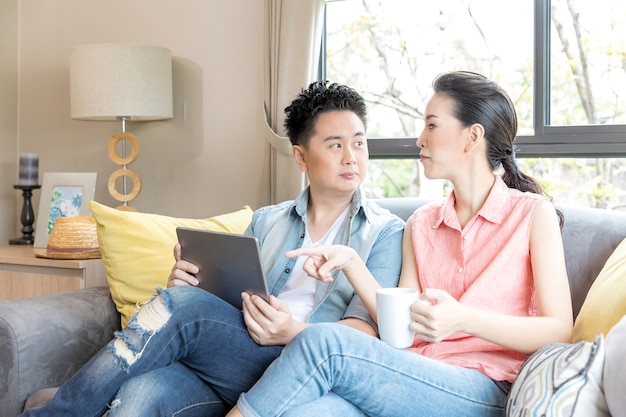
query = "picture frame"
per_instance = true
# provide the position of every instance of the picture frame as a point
(63, 194)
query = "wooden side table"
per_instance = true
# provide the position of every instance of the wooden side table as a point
(23, 275)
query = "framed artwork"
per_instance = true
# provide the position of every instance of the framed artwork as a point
(63, 194)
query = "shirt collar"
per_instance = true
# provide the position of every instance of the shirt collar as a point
(490, 211)
(358, 204)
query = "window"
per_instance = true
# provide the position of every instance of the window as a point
(561, 61)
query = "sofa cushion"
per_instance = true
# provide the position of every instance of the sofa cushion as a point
(137, 249)
(605, 303)
(559, 380)
(614, 365)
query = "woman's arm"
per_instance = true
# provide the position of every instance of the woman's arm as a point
(325, 258)
(321, 260)
(408, 274)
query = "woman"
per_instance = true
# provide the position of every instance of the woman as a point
(489, 261)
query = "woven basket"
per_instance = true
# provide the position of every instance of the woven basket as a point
(73, 237)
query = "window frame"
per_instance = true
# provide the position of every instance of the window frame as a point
(548, 141)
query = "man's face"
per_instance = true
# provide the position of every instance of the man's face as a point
(336, 157)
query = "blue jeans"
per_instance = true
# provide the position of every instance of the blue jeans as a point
(375, 377)
(186, 353)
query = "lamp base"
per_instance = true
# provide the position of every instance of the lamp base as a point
(126, 208)
(124, 173)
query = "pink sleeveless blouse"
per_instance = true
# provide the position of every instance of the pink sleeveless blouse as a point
(485, 265)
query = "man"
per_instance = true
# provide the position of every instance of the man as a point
(189, 353)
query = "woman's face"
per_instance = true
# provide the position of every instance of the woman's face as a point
(443, 140)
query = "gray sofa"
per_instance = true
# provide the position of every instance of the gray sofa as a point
(44, 340)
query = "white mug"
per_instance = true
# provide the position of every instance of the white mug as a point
(394, 315)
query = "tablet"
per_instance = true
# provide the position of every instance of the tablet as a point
(229, 263)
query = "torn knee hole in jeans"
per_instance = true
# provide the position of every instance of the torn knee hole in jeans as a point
(130, 343)
(115, 403)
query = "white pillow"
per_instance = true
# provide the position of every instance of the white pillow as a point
(561, 380)
(614, 372)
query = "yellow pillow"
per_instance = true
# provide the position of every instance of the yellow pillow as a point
(605, 303)
(137, 249)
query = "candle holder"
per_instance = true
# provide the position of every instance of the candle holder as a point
(28, 216)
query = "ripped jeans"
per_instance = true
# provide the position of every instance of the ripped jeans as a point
(185, 353)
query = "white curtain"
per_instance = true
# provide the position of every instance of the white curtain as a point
(293, 34)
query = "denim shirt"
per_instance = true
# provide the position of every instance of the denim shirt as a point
(372, 231)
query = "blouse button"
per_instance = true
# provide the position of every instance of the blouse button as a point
(459, 270)
(287, 271)
(302, 236)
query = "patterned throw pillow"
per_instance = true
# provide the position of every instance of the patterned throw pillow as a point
(561, 380)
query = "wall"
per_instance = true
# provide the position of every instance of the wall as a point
(210, 158)
(8, 120)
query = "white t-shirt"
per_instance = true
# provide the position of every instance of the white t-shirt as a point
(299, 290)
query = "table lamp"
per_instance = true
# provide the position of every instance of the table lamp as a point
(121, 82)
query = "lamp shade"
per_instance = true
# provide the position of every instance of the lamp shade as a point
(112, 81)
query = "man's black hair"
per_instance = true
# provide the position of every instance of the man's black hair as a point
(320, 97)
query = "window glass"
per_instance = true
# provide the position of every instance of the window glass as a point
(391, 50)
(587, 182)
(587, 62)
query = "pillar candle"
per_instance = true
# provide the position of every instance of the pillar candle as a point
(29, 169)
